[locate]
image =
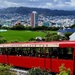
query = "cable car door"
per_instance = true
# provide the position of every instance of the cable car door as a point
(48, 59)
(5, 56)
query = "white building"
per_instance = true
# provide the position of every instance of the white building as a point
(72, 37)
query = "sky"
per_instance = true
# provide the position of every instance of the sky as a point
(51, 4)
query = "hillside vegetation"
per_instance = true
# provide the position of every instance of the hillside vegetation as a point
(27, 10)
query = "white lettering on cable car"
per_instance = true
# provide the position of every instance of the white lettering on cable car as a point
(29, 45)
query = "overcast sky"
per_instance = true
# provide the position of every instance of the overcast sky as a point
(51, 4)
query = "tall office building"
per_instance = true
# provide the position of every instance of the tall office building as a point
(33, 19)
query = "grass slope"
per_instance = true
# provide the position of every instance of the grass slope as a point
(12, 35)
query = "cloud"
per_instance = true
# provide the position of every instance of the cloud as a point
(4, 4)
(72, 3)
(51, 4)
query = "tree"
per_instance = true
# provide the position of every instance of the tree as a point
(4, 27)
(0, 25)
(68, 34)
(73, 26)
(63, 70)
(55, 37)
(2, 40)
(18, 27)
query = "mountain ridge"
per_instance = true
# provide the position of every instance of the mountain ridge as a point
(44, 11)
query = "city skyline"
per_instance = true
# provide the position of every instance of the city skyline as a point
(50, 4)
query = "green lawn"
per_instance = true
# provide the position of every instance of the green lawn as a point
(12, 35)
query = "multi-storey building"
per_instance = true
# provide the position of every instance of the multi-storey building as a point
(33, 19)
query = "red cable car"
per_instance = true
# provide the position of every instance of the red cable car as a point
(46, 55)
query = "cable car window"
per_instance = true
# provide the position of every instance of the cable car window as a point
(4, 51)
(0, 51)
(37, 52)
(55, 52)
(66, 53)
(12, 51)
(62, 53)
(34, 51)
(19, 51)
(42, 52)
(48, 52)
(26, 51)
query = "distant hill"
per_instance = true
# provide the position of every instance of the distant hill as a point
(27, 10)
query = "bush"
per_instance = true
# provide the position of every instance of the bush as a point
(5, 69)
(68, 34)
(2, 40)
(56, 38)
(38, 71)
(14, 41)
(63, 70)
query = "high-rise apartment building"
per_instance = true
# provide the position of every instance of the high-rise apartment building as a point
(33, 19)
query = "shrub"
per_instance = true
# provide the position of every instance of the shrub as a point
(2, 40)
(38, 71)
(4, 69)
(56, 38)
(68, 34)
(63, 70)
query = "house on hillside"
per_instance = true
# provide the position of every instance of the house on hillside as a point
(63, 31)
(72, 37)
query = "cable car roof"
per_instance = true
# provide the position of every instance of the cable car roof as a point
(40, 44)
